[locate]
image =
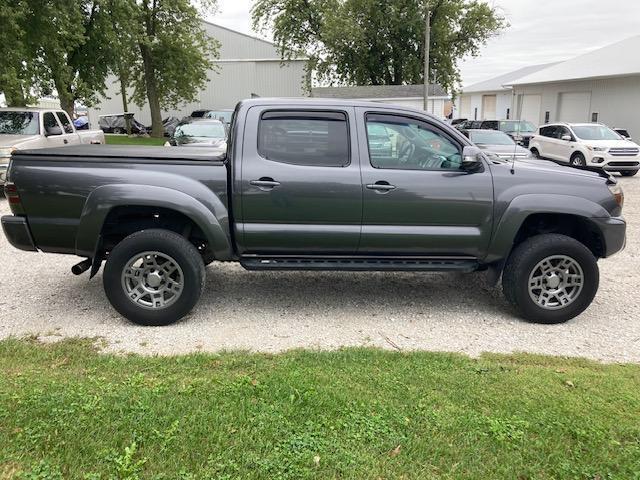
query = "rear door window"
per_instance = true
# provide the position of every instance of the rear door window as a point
(305, 138)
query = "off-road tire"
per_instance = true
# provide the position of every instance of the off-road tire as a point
(522, 261)
(166, 242)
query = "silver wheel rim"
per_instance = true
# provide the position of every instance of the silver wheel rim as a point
(152, 280)
(556, 282)
(577, 162)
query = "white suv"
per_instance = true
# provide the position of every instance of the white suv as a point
(586, 144)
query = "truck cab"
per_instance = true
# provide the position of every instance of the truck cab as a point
(28, 128)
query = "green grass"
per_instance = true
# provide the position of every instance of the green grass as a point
(125, 140)
(69, 412)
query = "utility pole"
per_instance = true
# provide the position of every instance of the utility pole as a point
(427, 41)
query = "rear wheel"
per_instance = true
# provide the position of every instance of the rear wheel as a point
(577, 160)
(154, 277)
(629, 173)
(550, 278)
(535, 152)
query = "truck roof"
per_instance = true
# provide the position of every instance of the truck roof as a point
(330, 102)
(29, 109)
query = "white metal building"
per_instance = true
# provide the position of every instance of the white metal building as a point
(405, 95)
(493, 99)
(246, 66)
(602, 85)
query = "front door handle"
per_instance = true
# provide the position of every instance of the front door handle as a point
(265, 183)
(381, 186)
(65, 140)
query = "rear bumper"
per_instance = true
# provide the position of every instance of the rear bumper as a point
(16, 229)
(614, 233)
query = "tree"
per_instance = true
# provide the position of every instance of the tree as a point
(175, 55)
(14, 70)
(59, 45)
(378, 42)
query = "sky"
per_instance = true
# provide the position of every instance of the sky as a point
(540, 31)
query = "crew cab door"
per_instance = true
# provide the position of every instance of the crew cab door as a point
(300, 184)
(69, 136)
(417, 199)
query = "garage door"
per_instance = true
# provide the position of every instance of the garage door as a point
(465, 106)
(530, 109)
(574, 106)
(489, 107)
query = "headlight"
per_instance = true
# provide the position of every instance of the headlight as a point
(598, 149)
(618, 194)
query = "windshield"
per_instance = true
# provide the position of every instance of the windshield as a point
(490, 138)
(595, 132)
(517, 126)
(19, 123)
(207, 130)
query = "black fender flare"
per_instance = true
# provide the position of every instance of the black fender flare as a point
(210, 215)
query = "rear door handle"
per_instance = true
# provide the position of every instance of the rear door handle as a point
(265, 182)
(381, 186)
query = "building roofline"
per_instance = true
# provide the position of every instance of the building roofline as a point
(253, 37)
(577, 79)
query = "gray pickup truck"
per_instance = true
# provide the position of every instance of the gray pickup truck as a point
(317, 185)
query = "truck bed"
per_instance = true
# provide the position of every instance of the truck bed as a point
(55, 183)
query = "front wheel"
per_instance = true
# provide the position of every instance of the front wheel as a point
(550, 278)
(154, 277)
(578, 160)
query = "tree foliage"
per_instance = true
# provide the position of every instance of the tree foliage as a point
(379, 42)
(156, 47)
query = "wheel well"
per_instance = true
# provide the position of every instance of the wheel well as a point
(576, 153)
(574, 226)
(123, 221)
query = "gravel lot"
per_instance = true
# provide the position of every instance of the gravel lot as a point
(270, 311)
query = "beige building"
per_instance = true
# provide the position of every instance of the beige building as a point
(246, 66)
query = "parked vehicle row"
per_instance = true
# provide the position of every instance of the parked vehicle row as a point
(317, 185)
(497, 143)
(29, 128)
(520, 130)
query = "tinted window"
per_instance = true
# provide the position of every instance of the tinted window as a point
(49, 121)
(490, 125)
(548, 131)
(64, 120)
(476, 124)
(403, 143)
(595, 132)
(305, 138)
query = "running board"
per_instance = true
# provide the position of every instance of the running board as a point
(428, 264)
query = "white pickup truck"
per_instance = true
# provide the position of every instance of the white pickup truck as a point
(22, 128)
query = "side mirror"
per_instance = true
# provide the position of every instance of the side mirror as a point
(566, 138)
(471, 158)
(53, 130)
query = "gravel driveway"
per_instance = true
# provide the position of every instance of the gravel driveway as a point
(273, 311)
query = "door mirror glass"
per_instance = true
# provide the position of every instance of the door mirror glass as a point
(471, 159)
(53, 130)
(566, 138)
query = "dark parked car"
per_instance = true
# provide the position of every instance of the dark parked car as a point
(494, 142)
(520, 130)
(115, 123)
(300, 188)
(623, 132)
(200, 133)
